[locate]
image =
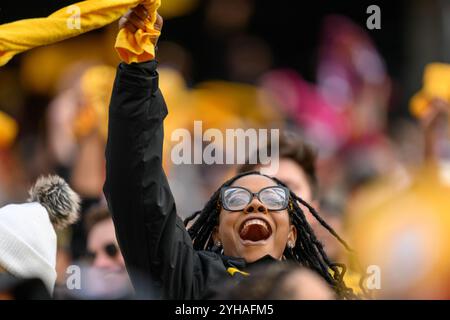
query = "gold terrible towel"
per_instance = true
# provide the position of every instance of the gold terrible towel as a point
(79, 18)
(436, 85)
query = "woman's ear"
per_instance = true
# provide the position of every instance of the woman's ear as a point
(292, 236)
(215, 235)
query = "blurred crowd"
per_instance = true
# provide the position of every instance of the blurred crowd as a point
(381, 181)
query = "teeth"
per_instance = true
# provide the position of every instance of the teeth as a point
(249, 231)
(255, 221)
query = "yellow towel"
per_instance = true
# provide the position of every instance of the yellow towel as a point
(22, 35)
(436, 84)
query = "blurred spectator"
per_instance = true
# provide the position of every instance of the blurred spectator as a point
(77, 128)
(103, 274)
(103, 252)
(27, 231)
(279, 281)
(102, 249)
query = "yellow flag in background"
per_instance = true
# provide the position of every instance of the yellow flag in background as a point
(436, 84)
(79, 18)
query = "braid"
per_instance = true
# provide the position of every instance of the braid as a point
(321, 221)
(191, 217)
(308, 250)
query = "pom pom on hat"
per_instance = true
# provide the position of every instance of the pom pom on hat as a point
(56, 196)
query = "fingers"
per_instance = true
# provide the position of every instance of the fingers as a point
(136, 18)
(141, 12)
(159, 22)
(124, 21)
(128, 25)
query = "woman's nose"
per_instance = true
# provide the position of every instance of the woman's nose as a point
(255, 206)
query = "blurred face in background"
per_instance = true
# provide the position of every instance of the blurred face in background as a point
(296, 179)
(293, 175)
(104, 273)
(104, 252)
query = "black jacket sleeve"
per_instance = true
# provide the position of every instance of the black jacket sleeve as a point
(152, 237)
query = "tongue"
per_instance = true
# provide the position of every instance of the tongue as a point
(255, 232)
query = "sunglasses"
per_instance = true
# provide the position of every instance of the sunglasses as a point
(275, 198)
(110, 249)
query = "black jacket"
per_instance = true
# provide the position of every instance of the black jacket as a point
(152, 237)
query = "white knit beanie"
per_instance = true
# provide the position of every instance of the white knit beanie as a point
(27, 234)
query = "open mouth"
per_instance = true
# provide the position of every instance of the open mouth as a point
(255, 230)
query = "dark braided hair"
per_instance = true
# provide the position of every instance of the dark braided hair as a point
(308, 250)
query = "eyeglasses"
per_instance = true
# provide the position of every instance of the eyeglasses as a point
(110, 249)
(275, 198)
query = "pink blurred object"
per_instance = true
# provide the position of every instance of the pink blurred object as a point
(348, 60)
(322, 123)
(348, 105)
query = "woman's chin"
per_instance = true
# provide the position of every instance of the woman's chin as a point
(254, 253)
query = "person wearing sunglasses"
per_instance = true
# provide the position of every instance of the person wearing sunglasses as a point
(250, 219)
(102, 248)
(103, 254)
